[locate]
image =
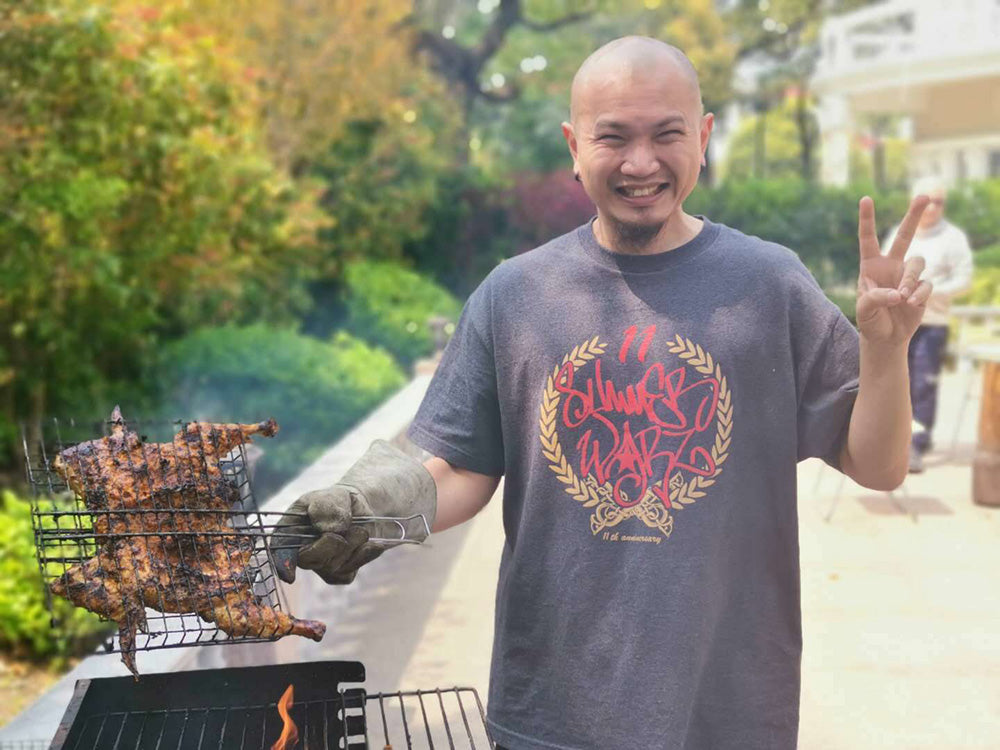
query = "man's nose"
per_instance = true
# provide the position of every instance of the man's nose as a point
(640, 161)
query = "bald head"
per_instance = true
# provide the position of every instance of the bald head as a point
(930, 185)
(638, 135)
(934, 188)
(628, 57)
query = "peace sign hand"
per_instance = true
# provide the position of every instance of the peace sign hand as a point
(891, 297)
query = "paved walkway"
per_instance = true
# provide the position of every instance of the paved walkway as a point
(901, 606)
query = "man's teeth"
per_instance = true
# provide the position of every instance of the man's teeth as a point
(640, 192)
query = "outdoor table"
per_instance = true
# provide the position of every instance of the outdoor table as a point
(987, 317)
(986, 464)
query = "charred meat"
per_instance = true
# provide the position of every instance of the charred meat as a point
(163, 520)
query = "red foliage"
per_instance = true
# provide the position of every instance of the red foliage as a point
(545, 206)
(148, 13)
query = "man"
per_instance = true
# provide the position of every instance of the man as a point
(948, 257)
(646, 384)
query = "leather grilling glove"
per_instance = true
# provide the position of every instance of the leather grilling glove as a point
(385, 481)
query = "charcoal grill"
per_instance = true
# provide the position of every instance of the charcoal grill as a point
(236, 709)
(65, 533)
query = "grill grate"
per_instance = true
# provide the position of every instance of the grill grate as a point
(223, 709)
(440, 718)
(321, 724)
(445, 718)
(178, 520)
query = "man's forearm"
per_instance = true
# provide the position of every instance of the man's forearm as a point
(878, 442)
(461, 493)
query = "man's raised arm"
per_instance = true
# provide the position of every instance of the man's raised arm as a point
(891, 301)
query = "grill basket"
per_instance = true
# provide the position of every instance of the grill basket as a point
(191, 532)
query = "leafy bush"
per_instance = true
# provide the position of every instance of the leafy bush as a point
(391, 307)
(315, 389)
(25, 622)
(985, 287)
(818, 223)
(477, 221)
(467, 230)
(976, 209)
(546, 206)
(988, 257)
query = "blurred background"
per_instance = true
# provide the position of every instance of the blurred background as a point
(234, 210)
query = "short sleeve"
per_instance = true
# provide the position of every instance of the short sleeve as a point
(828, 392)
(459, 418)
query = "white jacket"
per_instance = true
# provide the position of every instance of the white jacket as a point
(945, 249)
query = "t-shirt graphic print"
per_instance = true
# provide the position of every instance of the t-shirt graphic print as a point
(632, 438)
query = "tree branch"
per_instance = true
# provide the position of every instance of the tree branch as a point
(508, 16)
(556, 23)
(766, 42)
(508, 93)
(462, 66)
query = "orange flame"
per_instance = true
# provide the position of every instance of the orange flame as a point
(289, 733)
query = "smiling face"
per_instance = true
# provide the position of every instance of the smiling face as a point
(638, 139)
(935, 209)
(934, 188)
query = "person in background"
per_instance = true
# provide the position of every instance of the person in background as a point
(948, 257)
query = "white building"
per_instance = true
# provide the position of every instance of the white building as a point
(936, 62)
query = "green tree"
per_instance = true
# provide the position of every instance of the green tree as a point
(766, 145)
(782, 38)
(137, 199)
(880, 160)
(316, 69)
(375, 129)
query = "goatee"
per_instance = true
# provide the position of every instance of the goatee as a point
(633, 237)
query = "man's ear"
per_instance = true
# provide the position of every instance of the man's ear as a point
(707, 123)
(570, 136)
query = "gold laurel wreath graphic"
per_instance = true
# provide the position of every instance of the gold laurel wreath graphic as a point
(701, 360)
(592, 495)
(582, 491)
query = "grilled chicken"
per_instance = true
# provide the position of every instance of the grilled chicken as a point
(163, 520)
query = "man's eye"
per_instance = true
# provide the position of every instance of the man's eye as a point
(666, 133)
(609, 137)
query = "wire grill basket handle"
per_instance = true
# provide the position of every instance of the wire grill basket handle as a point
(408, 527)
(285, 541)
(404, 525)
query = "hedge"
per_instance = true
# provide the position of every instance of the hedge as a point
(25, 622)
(315, 389)
(392, 307)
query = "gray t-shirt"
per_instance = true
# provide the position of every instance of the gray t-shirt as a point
(648, 413)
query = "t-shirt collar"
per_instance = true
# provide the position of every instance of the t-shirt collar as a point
(646, 263)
